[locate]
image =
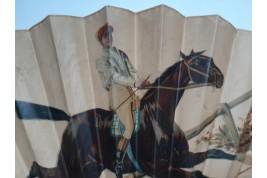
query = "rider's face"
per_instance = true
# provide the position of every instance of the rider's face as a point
(107, 39)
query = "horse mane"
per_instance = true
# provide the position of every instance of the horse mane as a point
(170, 69)
(158, 81)
(164, 75)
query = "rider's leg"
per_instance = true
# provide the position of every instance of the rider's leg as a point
(121, 150)
(118, 95)
(124, 112)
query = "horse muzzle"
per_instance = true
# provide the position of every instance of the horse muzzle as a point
(218, 82)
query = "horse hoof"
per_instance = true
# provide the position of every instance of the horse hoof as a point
(138, 174)
(198, 174)
(34, 172)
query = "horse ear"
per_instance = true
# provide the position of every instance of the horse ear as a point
(199, 53)
(192, 52)
(182, 55)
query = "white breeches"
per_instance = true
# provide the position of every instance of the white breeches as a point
(117, 95)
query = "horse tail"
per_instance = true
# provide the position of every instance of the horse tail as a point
(30, 111)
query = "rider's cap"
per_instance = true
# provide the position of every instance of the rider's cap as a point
(103, 29)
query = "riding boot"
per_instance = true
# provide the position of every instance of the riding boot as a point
(119, 164)
(121, 149)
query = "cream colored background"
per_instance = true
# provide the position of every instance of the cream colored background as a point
(55, 66)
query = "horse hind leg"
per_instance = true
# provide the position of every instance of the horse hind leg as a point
(41, 172)
(35, 171)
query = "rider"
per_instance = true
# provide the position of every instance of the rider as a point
(118, 77)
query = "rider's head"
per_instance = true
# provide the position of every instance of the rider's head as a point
(104, 35)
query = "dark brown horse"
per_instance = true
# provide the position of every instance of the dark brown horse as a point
(160, 146)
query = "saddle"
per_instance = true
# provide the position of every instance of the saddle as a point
(117, 128)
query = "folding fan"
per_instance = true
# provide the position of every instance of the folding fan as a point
(195, 119)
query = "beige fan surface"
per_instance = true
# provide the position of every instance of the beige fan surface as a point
(55, 67)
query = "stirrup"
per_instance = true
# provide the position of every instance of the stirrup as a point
(118, 169)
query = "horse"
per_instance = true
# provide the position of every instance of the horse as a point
(160, 145)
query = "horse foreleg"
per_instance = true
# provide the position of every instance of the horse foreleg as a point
(91, 170)
(190, 159)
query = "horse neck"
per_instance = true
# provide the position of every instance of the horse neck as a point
(167, 100)
(178, 80)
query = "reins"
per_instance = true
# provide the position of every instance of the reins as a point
(189, 86)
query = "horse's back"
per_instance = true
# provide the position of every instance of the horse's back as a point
(93, 113)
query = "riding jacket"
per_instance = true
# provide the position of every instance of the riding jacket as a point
(114, 66)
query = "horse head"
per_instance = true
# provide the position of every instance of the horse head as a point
(202, 69)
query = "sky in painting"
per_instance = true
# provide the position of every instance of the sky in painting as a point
(30, 12)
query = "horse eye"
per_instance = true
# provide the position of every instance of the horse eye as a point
(196, 62)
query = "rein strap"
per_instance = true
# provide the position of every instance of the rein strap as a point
(195, 70)
(189, 86)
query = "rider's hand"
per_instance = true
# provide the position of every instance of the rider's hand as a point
(142, 84)
(145, 84)
(111, 109)
(138, 84)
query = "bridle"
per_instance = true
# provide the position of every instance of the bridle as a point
(189, 68)
(189, 86)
